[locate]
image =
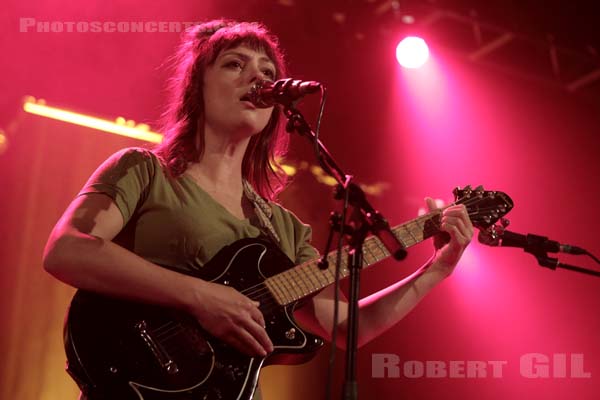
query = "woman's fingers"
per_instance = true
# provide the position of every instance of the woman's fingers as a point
(458, 216)
(257, 315)
(233, 318)
(455, 227)
(254, 324)
(258, 333)
(246, 343)
(430, 203)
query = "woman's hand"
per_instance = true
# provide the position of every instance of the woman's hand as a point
(231, 317)
(449, 248)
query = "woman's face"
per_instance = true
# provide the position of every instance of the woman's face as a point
(226, 81)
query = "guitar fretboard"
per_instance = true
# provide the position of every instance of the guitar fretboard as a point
(307, 278)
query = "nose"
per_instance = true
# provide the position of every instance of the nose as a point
(255, 73)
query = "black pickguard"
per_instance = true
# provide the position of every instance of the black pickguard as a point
(125, 350)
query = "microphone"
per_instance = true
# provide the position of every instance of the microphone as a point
(527, 242)
(265, 94)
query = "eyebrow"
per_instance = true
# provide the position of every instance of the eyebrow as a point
(246, 57)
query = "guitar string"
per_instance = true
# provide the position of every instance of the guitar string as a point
(248, 291)
(164, 330)
(172, 332)
(427, 230)
(164, 339)
(180, 348)
(171, 347)
(262, 291)
(166, 325)
(258, 293)
(173, 328)
(183, 347)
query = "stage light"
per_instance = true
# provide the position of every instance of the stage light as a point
(412, 52)
(120, 126)
(3, 142)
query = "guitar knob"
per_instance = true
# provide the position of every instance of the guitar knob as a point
(290, 334)
(505, 222)
(172, 368)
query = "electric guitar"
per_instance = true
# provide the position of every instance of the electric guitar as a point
(125, 350)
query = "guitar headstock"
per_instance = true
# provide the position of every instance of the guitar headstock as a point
(485, 207)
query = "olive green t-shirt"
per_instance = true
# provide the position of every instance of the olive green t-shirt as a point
(173, 222)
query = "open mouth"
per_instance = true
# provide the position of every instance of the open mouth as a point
(247, 100)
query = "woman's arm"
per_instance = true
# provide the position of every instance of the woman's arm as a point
(80, 252)
(383, 309)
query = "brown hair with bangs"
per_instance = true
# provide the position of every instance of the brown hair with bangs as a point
(183, 120)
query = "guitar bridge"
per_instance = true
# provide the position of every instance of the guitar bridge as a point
(157, 350)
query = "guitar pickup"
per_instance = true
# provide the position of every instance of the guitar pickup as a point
(161, 356)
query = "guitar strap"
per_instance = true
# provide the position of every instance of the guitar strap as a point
(262, 210)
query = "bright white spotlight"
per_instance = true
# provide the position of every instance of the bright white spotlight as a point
(412, 52)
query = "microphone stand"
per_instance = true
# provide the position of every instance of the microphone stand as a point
(553, 263)
(363, 220)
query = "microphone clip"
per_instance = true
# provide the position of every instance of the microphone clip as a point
(492, 236)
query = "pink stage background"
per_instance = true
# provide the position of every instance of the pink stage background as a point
(414, 133)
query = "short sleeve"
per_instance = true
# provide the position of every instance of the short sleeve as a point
(125, 177)
(304, 250)
(295, 235)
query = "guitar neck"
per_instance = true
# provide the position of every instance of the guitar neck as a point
(306, 279)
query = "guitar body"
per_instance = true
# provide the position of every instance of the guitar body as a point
(124, 350)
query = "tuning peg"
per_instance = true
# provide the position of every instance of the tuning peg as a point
(456, 191)
(466, 192)
(479, 192)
